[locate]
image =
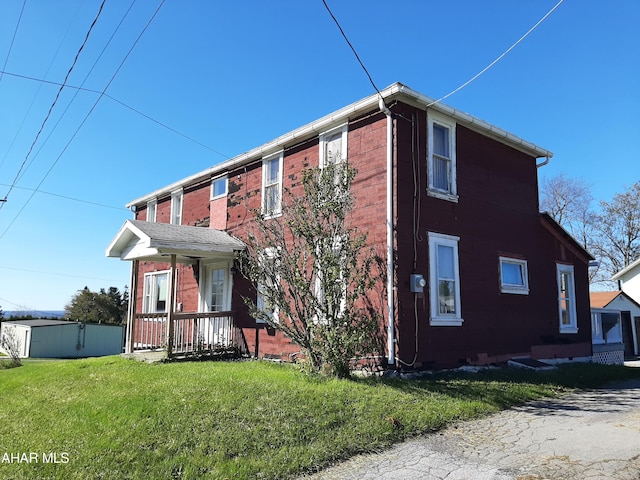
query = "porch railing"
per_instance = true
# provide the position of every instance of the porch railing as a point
(193, 333)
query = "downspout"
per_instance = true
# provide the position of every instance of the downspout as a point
(391, 334)
(542, 164)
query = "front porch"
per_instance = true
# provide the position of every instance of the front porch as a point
(197, 333)
(209, 327)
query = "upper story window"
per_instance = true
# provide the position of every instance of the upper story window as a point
(152, 210)
(218, 187)
(444, 275)
(514, 277)
(176, 207)
(567, 299)
(272, 185)
(333, 146)
(441, 163)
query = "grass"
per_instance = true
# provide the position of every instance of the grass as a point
(112, 418)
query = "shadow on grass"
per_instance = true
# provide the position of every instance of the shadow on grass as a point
(508, 387)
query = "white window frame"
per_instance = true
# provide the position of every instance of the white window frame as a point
(514, 288)
(451, 194)
(260, 303)
(150, 291)
(218, 180)
(324, 137)
(572, 326)
(152, 210)
(436, 318)
(177, 202)
(265, 169)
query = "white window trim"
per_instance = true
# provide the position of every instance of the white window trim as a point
(344, 129)
(152, 206)
(226, 187)
(145, 307)
(436, 318)
(438, 119)
(265, 160)
(514, 288)
(174, 196)
(573, 316)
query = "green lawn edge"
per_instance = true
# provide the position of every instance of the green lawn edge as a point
(113, 418)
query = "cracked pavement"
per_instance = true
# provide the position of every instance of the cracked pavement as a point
(588, 435)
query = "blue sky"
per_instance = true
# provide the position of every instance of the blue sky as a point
(234, 75)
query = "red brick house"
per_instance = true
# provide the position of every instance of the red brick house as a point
(477, 274)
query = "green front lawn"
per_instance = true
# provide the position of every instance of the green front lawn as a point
(112, 418)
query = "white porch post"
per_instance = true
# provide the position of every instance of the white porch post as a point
(172, 302)
(131, 311)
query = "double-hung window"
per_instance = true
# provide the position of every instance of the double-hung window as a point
(152, 209)
(441, 163)
(514, 277)
(444, 285)
(155, 292)
(567, 299)
(218, 187)
(176, 207)
(272, 185)
(265, 288)
(333, 146)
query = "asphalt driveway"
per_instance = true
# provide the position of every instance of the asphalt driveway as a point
(589, 435)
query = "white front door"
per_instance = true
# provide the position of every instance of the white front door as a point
(215, 293)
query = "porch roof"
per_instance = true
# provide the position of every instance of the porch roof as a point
(140, 240)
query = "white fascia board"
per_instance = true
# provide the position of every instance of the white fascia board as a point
(623, 273)
(340, 116)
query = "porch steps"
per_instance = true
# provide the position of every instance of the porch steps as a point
(530, 363)
(152, 356)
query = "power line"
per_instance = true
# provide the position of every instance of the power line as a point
(13, 38)
(499, 58)
(344, 35)
(95, 104)
(26, 158)
(67, 198)
(133, 109)
(58, 274)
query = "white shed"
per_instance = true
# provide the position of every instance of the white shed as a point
(41, 338)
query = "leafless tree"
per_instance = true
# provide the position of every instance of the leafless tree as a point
(617, 241)
(11, 344)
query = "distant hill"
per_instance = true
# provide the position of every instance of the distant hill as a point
(33, 313)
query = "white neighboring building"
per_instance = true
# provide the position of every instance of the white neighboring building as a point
(629, 318)
(629, 280)
(42, 338)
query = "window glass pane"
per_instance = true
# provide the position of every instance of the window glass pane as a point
(333, 148)
(512, 274)
(441, 173)
(440, 140)
(273, 169)
(445, 262)
(446, 297)
(220, 187)
(217, 290)
(161, 292)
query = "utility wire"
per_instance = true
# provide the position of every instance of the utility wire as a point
(26, 158)
(499, 58)
(344, 35)
(67, 197)
(33, 101)
(15, 32)
(84, 120)
(133, 109)
(57, 274)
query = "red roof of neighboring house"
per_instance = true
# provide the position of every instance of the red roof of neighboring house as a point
(602, 299)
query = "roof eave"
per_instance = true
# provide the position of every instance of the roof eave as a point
(396, 90)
